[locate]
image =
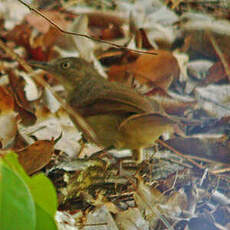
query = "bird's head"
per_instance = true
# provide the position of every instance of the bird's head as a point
(69, 71)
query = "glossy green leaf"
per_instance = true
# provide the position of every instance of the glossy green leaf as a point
(17, 209)
(11, 160)
(40, 191)
(44, 220)
(44, 193)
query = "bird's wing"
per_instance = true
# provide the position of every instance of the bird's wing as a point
(117, 100)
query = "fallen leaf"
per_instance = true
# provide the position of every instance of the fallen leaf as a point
(36, 156)
(196, 25)
(20, 34)
(42, 25)
(215, 74)
(6, 101)
(84, 46)
(142, 39)
(158, 70)
(8, 118)
(119, 73)
(53, 125)
(22, 104)
(214, 99)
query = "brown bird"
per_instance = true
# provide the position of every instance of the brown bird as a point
(120, 116)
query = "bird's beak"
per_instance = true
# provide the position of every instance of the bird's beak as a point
(41, 65)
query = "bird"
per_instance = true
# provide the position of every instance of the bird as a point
(120, 116)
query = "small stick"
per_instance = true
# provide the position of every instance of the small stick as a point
(84, 225)
(180, 154)
(224, 170)
(213, 172)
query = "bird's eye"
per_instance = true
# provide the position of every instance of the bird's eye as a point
(65, 65)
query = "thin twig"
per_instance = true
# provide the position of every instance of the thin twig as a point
(84, 225)
(225, 170)
(180, 154)
(78, 119)
(83, 35)
(208, 160)
(213, 172)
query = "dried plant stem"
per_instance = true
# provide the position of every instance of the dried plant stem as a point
(78, 119)
(188, 158)
(218, 171)
(207, 160)
(180, 154)
(85, 225)
(83, 35)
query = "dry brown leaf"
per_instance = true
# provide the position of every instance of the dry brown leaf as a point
(110, 33)
(42, 25)
(104, 19)
(20, 34)
(158, 70)
(196, 25)
(105, 25)
(6, 101)
(36, 156)
(215, 74)
(118, 73)
(22, 105)
(142, 39)
(8, 119)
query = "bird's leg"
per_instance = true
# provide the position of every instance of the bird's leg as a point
(98, 153)
(82, 143)
(137, 158)
(138, 155)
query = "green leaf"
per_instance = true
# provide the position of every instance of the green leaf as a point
(39, 189)
(44, 220)
(44, 193)
(17, 209)
(11, 159)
